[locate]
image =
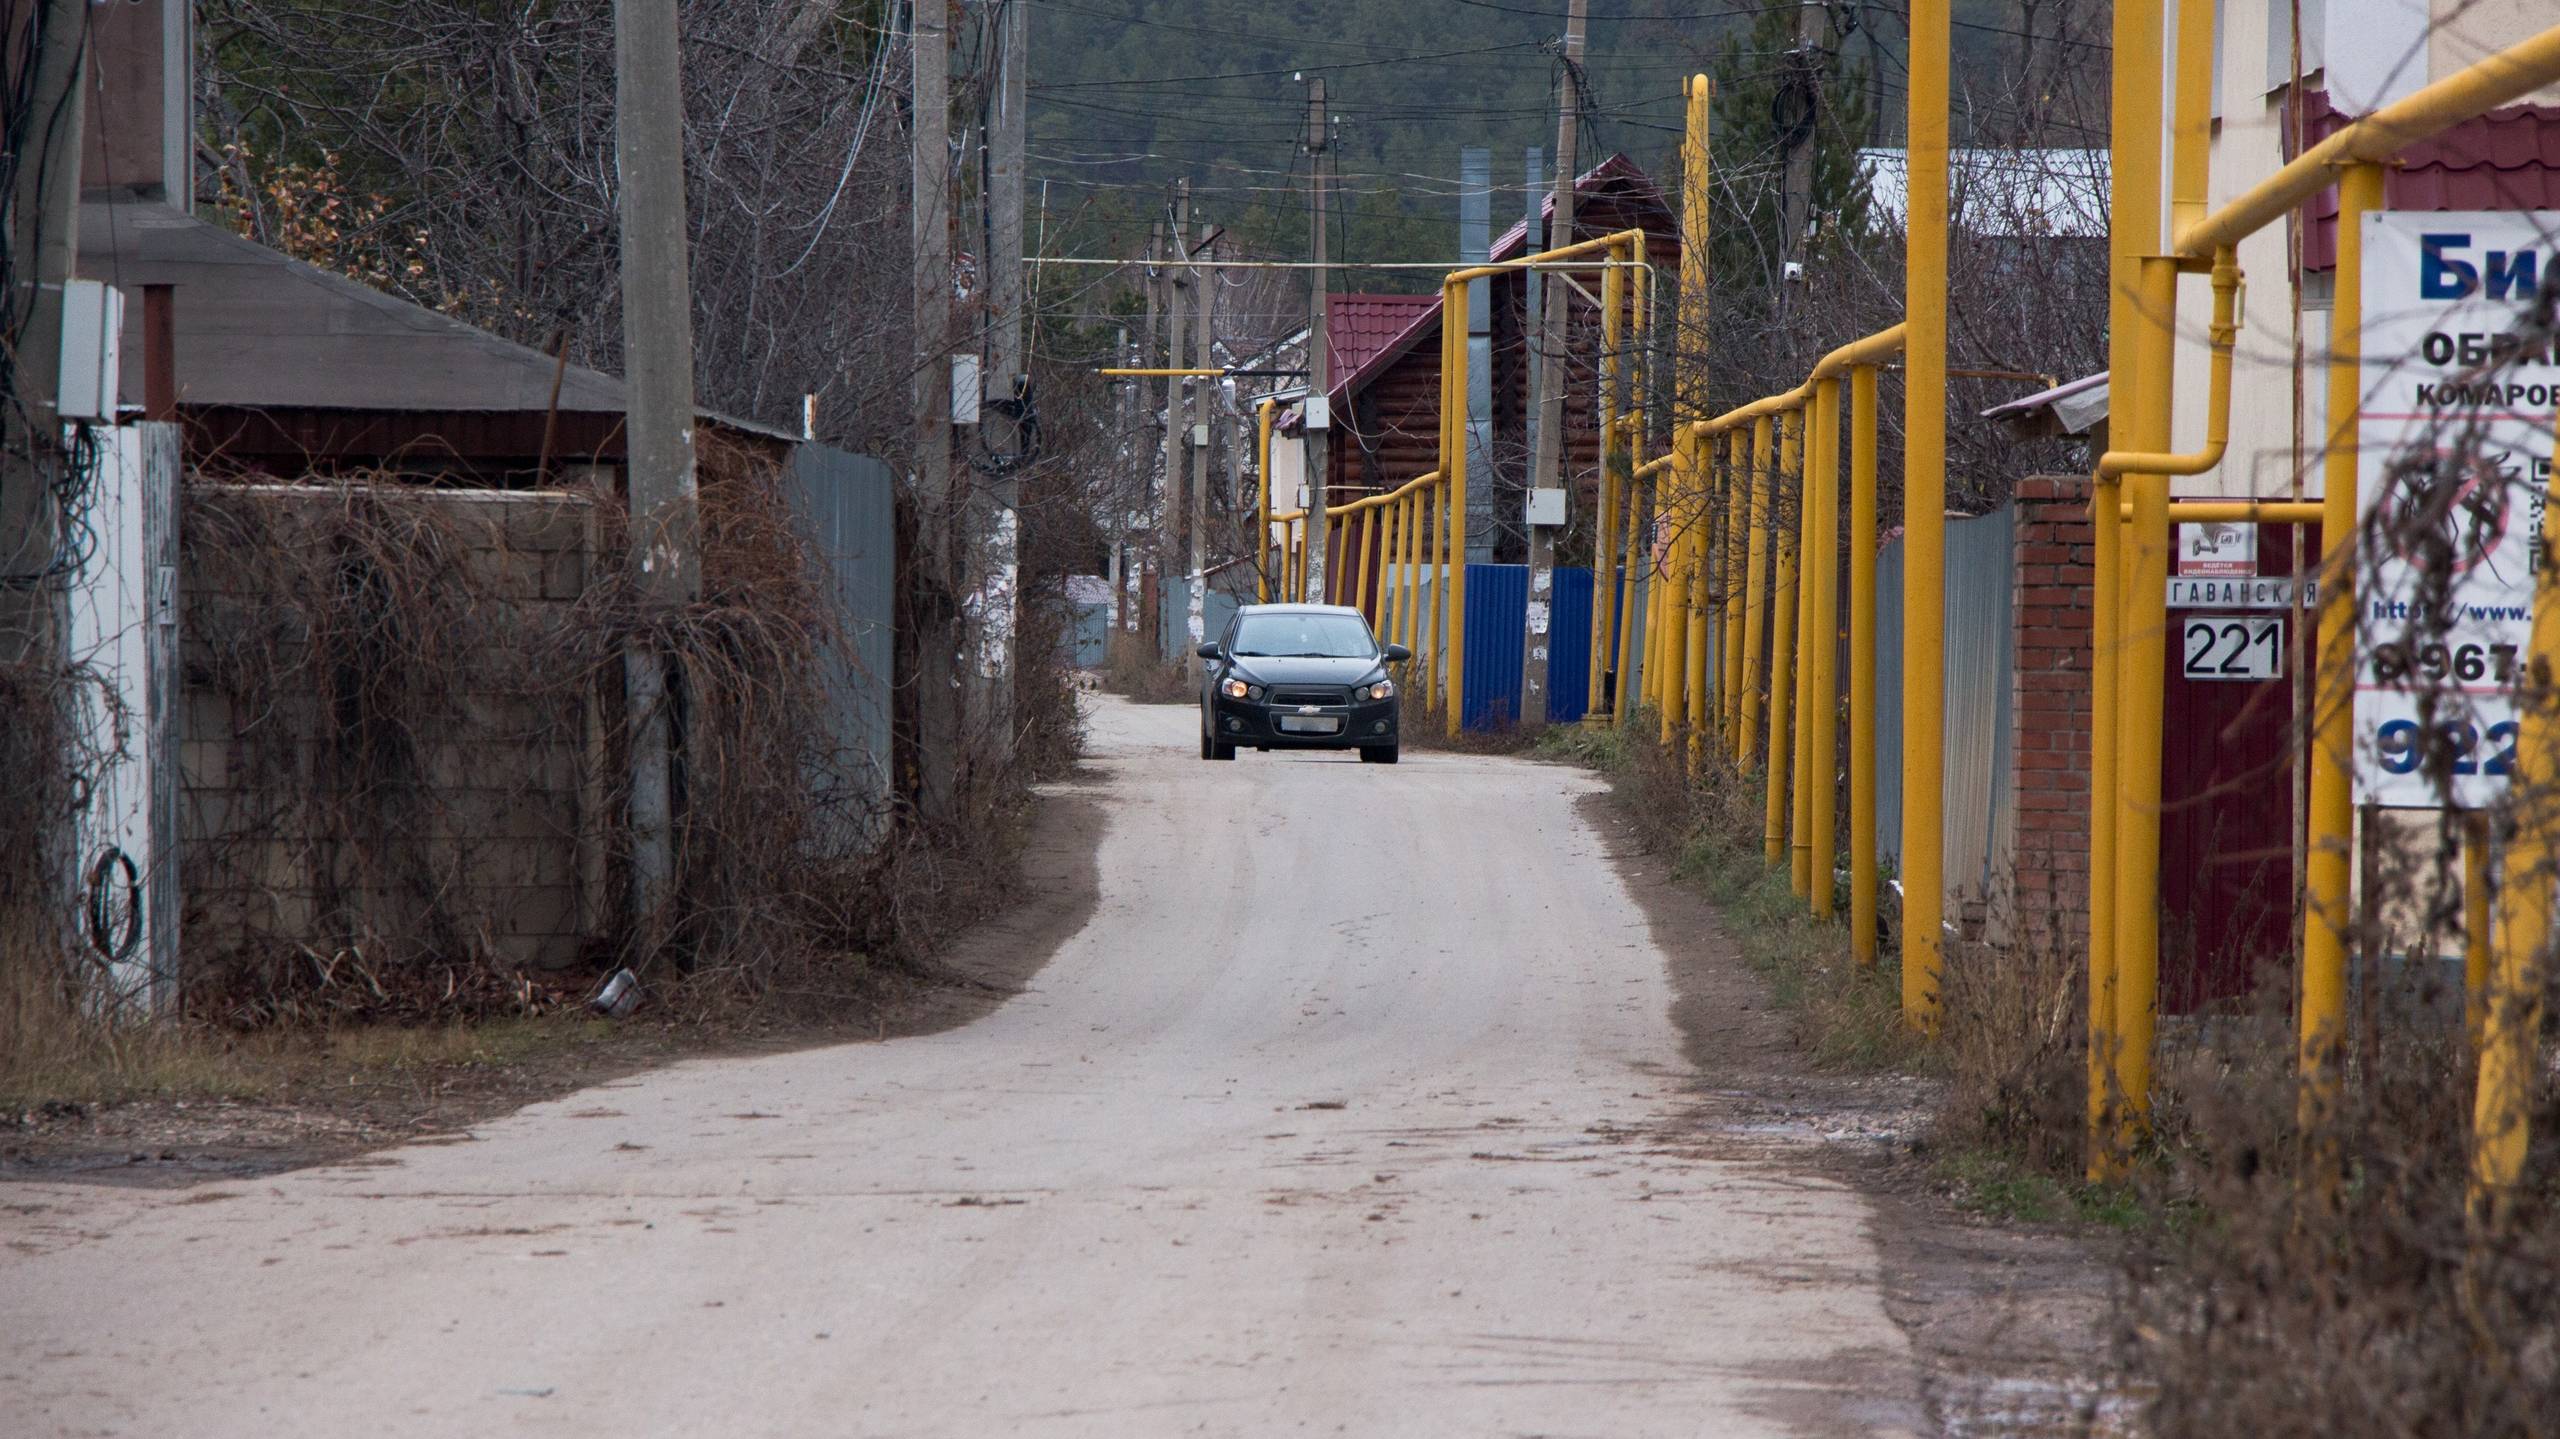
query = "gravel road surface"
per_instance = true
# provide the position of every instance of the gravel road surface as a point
(1354, 1108)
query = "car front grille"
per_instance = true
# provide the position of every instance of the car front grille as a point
(1310, 695)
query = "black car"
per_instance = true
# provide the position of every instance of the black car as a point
(1300, 677)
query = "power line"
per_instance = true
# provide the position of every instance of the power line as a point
(1283, 70)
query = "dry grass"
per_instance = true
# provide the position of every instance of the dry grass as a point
(2012, 1027)
(2332, 1280)
(1425, 731)
(1846, 1015)
(1131, 668)
(86, 1065)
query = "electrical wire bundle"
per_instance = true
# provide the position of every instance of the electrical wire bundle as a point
(67, 469)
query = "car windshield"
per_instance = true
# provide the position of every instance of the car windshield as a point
(1304, 636)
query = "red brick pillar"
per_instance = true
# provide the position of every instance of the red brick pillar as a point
(2056, 582)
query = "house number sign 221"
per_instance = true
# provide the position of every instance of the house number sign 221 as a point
(2232, 647)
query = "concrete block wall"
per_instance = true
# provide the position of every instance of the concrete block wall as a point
(2056, 579)
(494, 842)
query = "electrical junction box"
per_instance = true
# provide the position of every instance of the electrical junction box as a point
(1318, 413)
(92, 341)
(967, 390)
(1546, 507)
(1200, 436)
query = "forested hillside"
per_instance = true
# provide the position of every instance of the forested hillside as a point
(1128, 93)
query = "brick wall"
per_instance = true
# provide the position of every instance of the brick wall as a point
(483, 837)
(2055, 586)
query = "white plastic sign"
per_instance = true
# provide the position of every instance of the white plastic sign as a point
(2454, 457)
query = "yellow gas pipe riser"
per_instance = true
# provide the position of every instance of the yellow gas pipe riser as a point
(1924, 488)
(1823, 766)
(1755, 615)
(1782, 635)
(1862, 664)
(1808, 619)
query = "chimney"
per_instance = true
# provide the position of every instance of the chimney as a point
(140, 140)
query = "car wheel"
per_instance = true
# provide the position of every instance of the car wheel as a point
(1220, 749)
(1208, 746)
(1379, 754)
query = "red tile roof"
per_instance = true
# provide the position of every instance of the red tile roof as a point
(1373, 331)
(2503, 160)
(1364, 328)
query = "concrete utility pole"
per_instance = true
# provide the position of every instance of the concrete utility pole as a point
(1128, 425)
(1008, 378)
(1795, 195)
(1141, 616)
(1177, 424)
(1475, 247)
(43, 237)
(1547, 484)
(1534, 183)
(1319, 420)
(1203, 308)
(657, 344)
(936, 590)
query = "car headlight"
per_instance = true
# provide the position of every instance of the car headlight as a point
(1383, 689)
(1236, 689)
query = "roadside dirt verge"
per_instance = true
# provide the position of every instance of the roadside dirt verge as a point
(290, 1101)
(2007, 1322)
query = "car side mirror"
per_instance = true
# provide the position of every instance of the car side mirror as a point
(1398, 654)
(1208, 651)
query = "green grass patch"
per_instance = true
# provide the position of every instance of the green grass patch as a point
(1848, 1015)
(1997, 1184)
(1599, 746)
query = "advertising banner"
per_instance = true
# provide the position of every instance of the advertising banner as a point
(2454, 457)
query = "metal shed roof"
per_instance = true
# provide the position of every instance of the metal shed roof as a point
(260, 330)
(257, 328)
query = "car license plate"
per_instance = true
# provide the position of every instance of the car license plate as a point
(1311, 724)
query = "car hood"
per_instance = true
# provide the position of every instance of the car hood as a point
(1277, 670)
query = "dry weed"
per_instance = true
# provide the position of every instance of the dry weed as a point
(2330, 1279)
(1133, 669)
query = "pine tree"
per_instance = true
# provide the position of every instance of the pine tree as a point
(1765, 92)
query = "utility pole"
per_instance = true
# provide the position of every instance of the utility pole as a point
(657, 344)
(1008, 378)
(1795, 196)
(936, 590)
(1475, 247)
(43, 238)
(1534, 183)
(1127, 426)
(1203, 308)
(1150, 504)
(1547, 484)
(1177, 426)
(1317, 409)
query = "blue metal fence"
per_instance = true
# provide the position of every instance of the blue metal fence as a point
(1228, 588)
(1497, 624)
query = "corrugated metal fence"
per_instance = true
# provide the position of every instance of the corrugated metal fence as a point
(848, 508)
(1228, 588)
(1497, 621)
(1981, 823)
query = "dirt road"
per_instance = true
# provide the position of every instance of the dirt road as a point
(1354, 1108)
